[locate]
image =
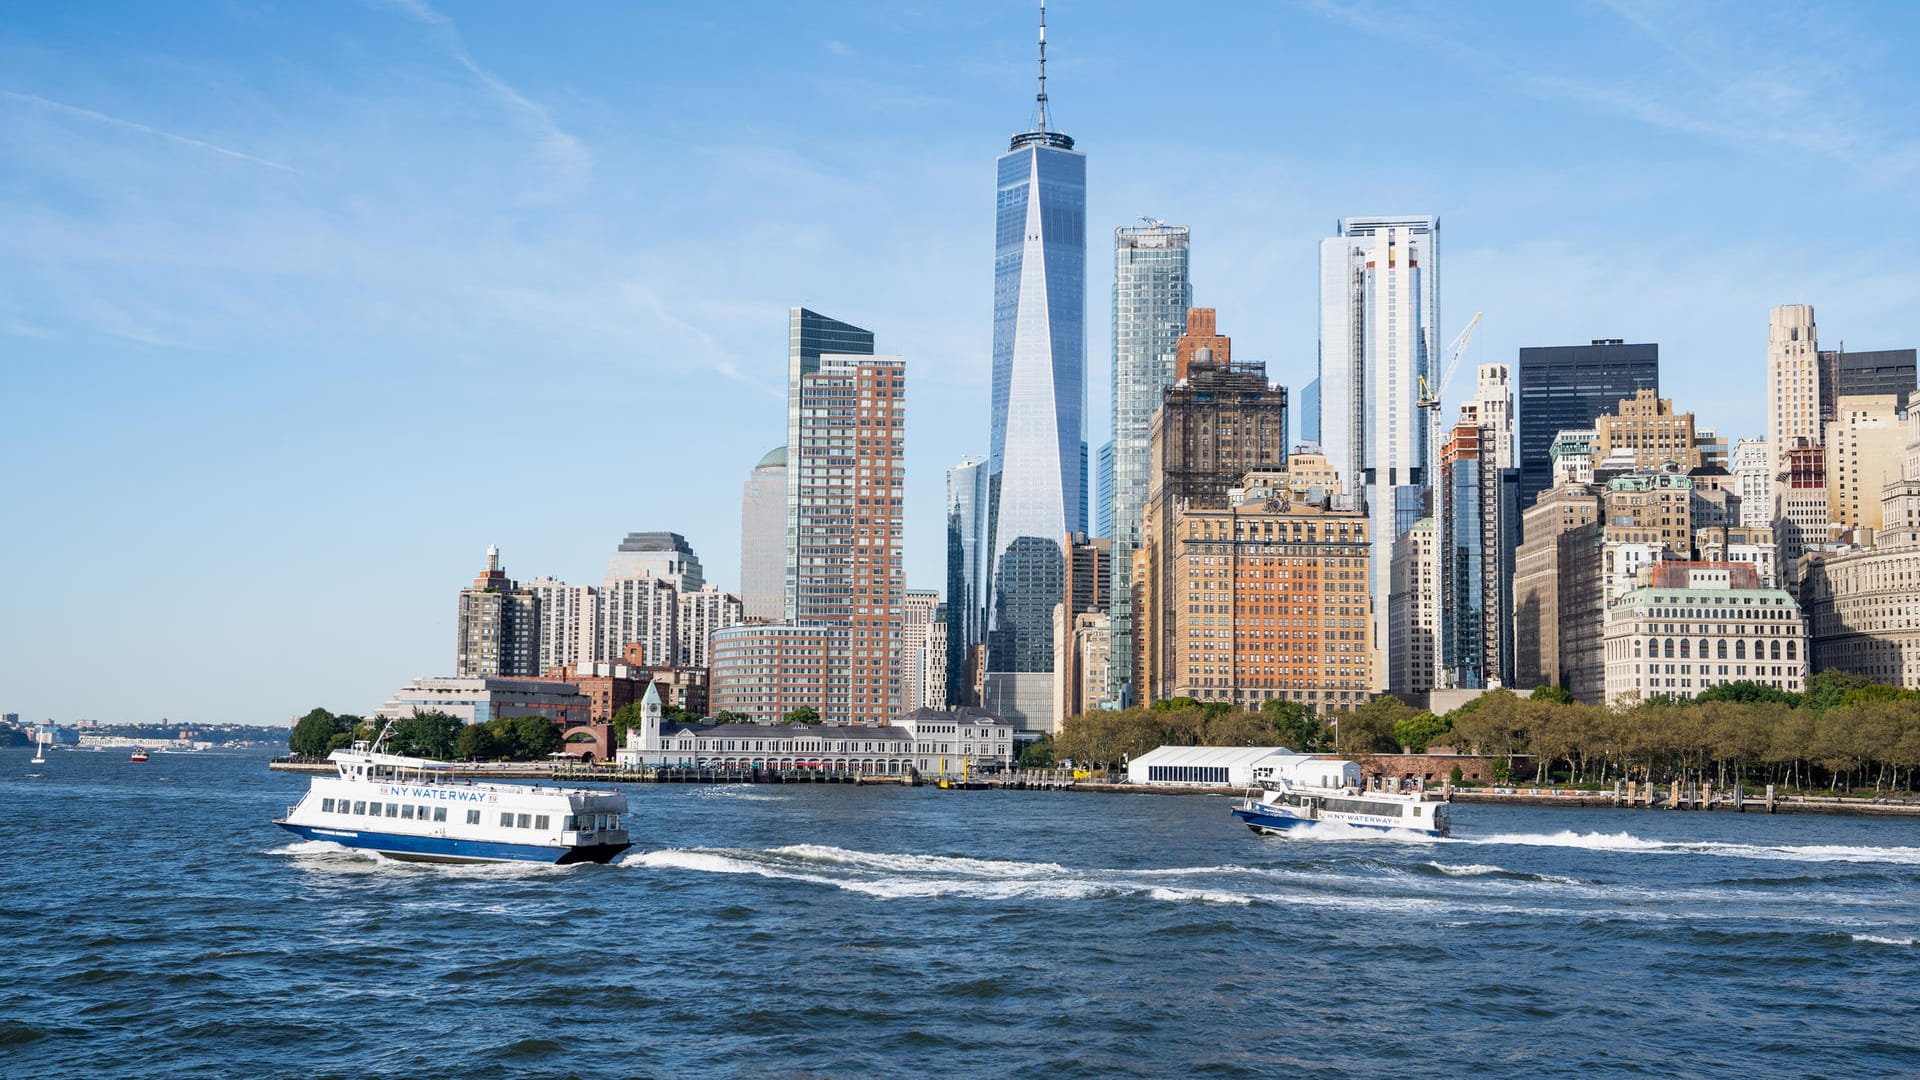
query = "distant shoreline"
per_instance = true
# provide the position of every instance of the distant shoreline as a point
(1519, 796)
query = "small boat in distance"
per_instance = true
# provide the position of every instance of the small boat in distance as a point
(1300, 790)
(413, 809)
(138, 755)
(41, 740)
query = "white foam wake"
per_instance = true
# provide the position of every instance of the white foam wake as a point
(1875, 939)
(1902, 856)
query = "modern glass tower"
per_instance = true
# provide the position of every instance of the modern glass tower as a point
(1151, 294)
(809, 334)
(966, 571)
(1037, 458)
(1567, 386)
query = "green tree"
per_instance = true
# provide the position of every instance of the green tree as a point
(1747, 693)
(1369, 729)
(478, 742)
(1419, 731)
(1293, 726)
(1038, 754)
(804, 714)
(1553, 695)
(426, 733)
(313, 734)
(629, 716)
(532, 737)
(728, 716)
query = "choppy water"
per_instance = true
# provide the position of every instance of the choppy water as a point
(158, 925)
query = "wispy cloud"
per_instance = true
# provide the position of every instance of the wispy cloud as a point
(129, 125)
(1741, 77)
(564, 154)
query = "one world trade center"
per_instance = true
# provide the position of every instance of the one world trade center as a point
(1037, 463)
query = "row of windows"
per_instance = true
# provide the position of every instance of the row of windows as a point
(401, 811)
(1188, 774)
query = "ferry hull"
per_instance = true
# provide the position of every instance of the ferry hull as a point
(1263, 820)
(444, 849)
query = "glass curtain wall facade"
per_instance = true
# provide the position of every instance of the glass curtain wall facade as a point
(1565, 387)
(1379, 335)
(966, 571)
(809, 334)
(1152, 290)
(1037, 458)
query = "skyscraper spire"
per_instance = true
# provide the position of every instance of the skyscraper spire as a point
(1042, 96)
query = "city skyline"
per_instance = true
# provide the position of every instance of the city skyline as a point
(223, 327)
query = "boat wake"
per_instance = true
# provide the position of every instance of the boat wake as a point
(889, 876)
(1813, 853)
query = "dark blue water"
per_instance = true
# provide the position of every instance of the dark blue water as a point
(156, 924)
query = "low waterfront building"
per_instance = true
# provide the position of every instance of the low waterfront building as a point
(927, 741)
(1201, 766)
(1690, 626)
(480, 699)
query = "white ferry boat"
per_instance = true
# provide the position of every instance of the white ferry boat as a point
(413, 809)
(1295, 791)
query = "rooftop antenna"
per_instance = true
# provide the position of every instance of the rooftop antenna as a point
(1153, 222)
(1042, 96)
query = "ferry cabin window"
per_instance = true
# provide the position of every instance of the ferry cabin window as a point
(406, 811)
(473, 817)
(359, 807)
(393, 809)
(540, 822)
(526, 821)
(439, 813)
(326, 806)
(506, 821)
(568, 823)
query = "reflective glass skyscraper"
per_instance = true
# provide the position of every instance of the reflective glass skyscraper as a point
(1037, 451)
(1151, 294)
(1567, 386)
(966, 571)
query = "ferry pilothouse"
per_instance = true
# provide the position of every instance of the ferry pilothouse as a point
(413, 809)
(1299, 790)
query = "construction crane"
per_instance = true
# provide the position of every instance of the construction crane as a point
(1429, 393)
(1429, 399)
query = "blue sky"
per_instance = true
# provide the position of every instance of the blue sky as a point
(303, 305)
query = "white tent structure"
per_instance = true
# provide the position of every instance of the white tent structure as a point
(1202, 766)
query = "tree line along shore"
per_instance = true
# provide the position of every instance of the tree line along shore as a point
(1844, 733)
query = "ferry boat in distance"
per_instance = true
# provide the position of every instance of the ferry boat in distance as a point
(138, 755)
(413, 809)
(1300, 790)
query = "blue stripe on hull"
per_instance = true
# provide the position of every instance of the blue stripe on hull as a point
(448, 849)
(1259, 820)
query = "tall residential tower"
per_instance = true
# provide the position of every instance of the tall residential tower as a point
(1379, 336)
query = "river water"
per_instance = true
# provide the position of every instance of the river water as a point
(157, 924)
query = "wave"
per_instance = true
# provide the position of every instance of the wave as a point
(1875, 939)
(1902, 856)
(920, 863)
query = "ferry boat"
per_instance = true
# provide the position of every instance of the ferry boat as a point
(138, 756)
(413, 809)
(1299, 790)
